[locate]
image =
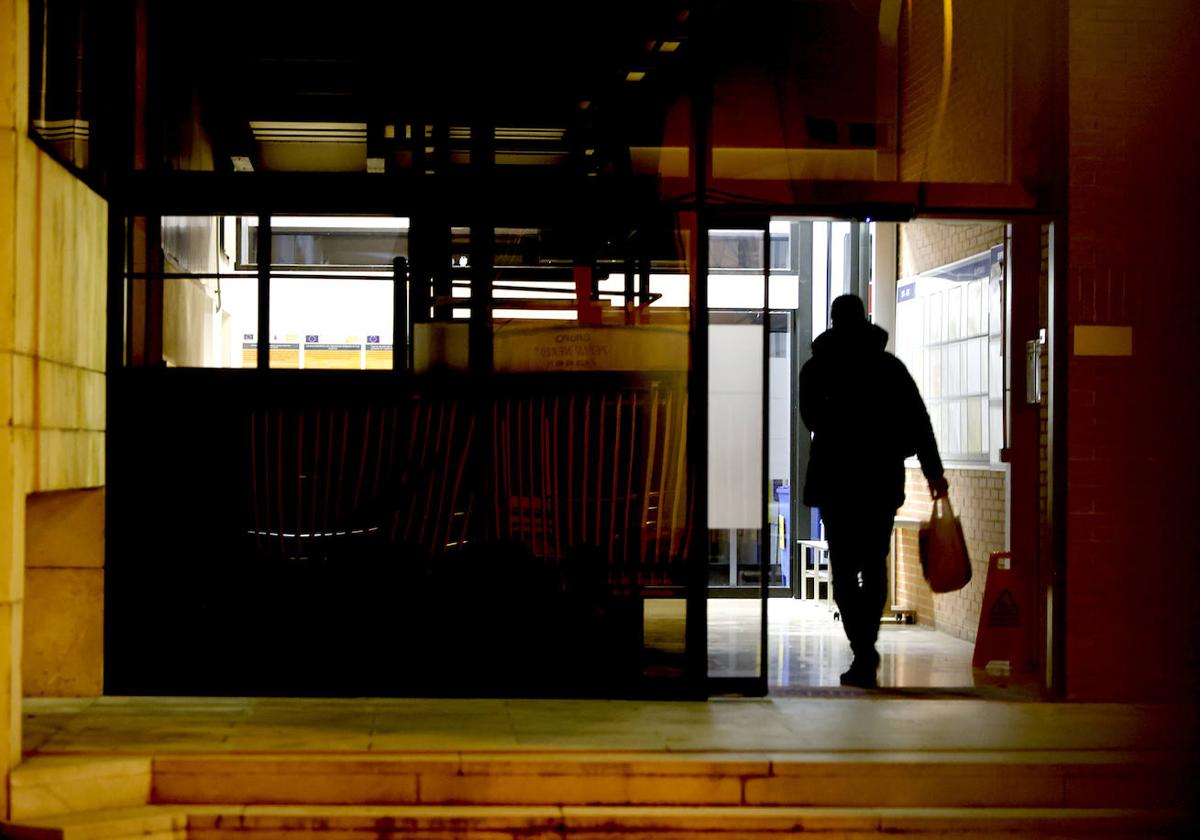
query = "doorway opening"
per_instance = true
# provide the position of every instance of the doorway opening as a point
(946, 293)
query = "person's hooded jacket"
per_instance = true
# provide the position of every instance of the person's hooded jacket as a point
(866, 417)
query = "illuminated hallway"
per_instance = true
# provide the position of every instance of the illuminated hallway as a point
(808, 650)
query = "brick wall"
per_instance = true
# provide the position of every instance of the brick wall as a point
(976, 494)
(978, 499)
(1133, 545)
(927, 244)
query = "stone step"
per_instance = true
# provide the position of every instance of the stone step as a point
(231, 822)
(145, 821)
(1075, 779)
(47, 785)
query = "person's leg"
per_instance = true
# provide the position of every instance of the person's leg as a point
(845, 563)
(859, 539)
(875, 537)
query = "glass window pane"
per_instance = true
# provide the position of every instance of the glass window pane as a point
(974, 441)
(982, 354)
(961, 363)
(781, 252)
(954, 305)
(733, 249)
(953, 369)
(209, 310)
(208, 323)
(935, 373)
(961, 350)
(839, 264)
(956, 426)
(974, 369)
(328, 323)
(975, 313)
(319, 243)
(735, 291)
(338, 317)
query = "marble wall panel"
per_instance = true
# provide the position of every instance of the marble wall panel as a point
(65, 529)
(10, 687)
(12, 521)
(64, 632)
(8, 189)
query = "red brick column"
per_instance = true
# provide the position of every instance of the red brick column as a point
(1132, 552)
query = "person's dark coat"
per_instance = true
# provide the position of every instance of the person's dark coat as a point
(866, 416)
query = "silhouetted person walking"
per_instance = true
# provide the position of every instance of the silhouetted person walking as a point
(866, 416)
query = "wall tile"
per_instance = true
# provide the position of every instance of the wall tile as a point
(68, 459)
(8, 210)
(12, 520)
(61, 252)
(67, 397)
(9, 62)
(64, 529)
(6, 388)
(52, 785)
(10, 687)
(63, 652)
(26, 255)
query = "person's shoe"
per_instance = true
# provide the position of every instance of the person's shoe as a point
(860, 676)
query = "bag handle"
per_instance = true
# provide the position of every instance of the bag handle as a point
(949, 509)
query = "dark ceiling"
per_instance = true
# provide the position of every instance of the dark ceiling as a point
(528, 64)
(562, 65)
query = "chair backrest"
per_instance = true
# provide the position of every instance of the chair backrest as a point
(596, 473)
(587, 473)
(328, 480)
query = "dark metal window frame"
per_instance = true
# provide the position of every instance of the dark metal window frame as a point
(91, 175)
(774, 239)
(242, 261)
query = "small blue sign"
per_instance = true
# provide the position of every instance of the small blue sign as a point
(372, 339)
(247, 336)
(906, 292)
(311, 339)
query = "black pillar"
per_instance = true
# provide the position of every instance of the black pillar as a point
(264, 258)
(483, 248)
(400, 329)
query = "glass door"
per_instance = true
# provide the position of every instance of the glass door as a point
(742, 503)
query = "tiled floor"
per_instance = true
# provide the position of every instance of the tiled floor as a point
(807, 648)
(117, 725)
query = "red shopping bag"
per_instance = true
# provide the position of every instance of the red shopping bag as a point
(944, 556)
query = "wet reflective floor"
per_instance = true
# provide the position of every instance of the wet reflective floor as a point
(807, 647)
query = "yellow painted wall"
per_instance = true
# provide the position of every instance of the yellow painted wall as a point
(52, 342)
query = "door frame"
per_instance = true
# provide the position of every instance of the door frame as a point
(756, 685)
(1033, 536)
